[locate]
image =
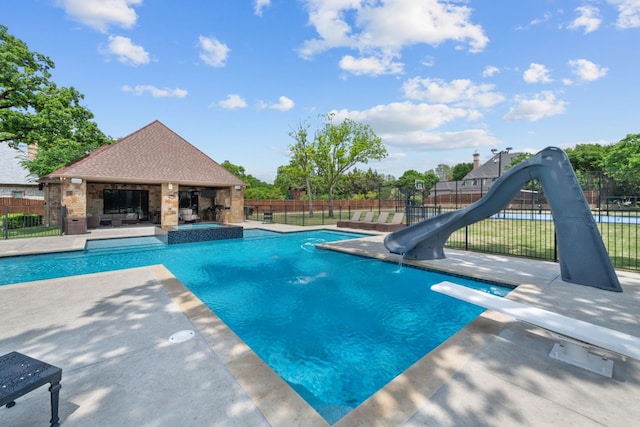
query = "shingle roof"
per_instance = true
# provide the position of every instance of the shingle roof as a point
(153, 154)
(11, 170)
(490, 168)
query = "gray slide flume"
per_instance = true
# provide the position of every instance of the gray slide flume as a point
(583, 257)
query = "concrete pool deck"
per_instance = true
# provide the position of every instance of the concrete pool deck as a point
(109, 332)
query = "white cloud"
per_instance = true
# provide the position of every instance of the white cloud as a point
(260, 5)
(101, 14)
(430, 141)
(233, 102)
(588, 18)
(490, 71)
(370, 65)
(587, 70)
(284, 104)
(628, 13)
(404, 116)
(156, 92)
(541, 105)
(460, 92)
(126, 51)
(383, 29)
(536, 73)
(414, 126)
(213, 52)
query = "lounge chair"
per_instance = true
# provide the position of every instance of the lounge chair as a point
(382, 219)
(356, 216)
(395, 224)
(368, 217)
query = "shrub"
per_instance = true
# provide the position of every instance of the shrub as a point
(21, 220)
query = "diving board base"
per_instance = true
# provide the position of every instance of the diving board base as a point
(580, 356)
(575, 337)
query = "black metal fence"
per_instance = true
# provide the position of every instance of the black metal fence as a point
(298, 214)
(525, 229)
(530, 233)
(25, 221)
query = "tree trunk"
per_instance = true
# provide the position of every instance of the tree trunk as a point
(308, 182)
(330, 202)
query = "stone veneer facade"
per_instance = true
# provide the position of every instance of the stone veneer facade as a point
(87, 199)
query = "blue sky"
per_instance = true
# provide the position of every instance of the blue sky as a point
(436, 80)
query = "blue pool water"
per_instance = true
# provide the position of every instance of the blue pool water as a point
(336, 327)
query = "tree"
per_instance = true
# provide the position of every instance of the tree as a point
(623, 165)
(361, 183)
(35, 111)
(459, 171)
(256, 189)
(587, 157)
(443, 172)
(303, 153)
(337, 148)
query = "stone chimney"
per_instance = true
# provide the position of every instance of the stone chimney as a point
(32, 151)
(476, 160)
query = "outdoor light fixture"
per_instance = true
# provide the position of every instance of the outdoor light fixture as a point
(499, 160)
(76, 180)
(170, 186)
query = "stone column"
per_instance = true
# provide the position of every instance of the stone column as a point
(74, 197)
(237, 204)
(169, 205)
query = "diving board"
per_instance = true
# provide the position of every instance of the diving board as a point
(576, 337)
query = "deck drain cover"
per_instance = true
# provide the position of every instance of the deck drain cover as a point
(182, 336)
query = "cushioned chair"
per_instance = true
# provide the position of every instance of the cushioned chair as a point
(382, 219)
(356, 216)
(395, 224)
(93, 221)
(368, 217)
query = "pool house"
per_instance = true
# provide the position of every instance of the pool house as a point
(152, 175)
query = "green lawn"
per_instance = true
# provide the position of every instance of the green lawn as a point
(39, 231)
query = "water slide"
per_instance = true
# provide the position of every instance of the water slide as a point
(583, 257)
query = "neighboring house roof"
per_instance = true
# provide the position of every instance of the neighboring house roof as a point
(478, 179)
(490, 168)
(11, 170)
(153, 154)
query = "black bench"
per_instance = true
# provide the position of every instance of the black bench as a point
(20, 374)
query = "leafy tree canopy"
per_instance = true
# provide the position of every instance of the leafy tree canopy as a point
(459, 171)
(34, 110)
(256, 189)
(335, 149)
(587, 157)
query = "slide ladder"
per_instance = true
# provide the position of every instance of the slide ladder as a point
(583, 257)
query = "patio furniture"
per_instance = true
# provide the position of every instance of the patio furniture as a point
(267, 218)
(356, 216)
(575, 337)
(20, 374)
(395, 224)
(75, 225)
(93, 221)
(187, 215)
(382, 219)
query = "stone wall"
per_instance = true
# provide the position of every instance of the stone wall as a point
(170, 200)
(95, 195)
(74, 198)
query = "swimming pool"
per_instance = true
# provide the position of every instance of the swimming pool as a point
(336, 327)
